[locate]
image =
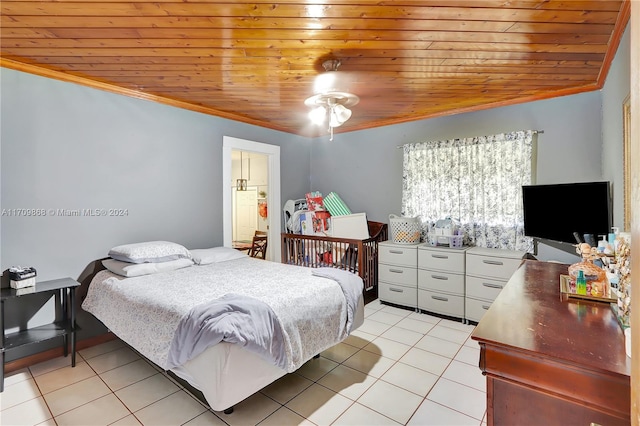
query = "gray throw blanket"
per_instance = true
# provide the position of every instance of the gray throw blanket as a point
(351, 285)
(232, 318)
(250, 323)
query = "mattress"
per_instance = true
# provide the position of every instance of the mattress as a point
(226, 374)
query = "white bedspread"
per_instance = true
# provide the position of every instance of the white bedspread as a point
(145, 311)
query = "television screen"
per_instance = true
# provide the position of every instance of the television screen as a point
(555, 212)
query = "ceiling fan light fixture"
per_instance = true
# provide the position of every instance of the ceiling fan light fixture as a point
(328, 100)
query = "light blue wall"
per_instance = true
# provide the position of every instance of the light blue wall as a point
(66, 146)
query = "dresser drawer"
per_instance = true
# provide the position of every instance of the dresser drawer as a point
(443, 260)
(447, 282)
(483, 288)
(492, 266)
(398, 294)
(441, 303)
(475, 309)
(397, 255)
(403, 275)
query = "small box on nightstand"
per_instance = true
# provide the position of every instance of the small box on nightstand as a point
(22, 277)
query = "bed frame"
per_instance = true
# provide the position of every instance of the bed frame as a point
(357, 256)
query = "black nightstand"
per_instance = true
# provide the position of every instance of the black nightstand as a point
(62, 328)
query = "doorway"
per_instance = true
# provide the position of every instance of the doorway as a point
(269, 197)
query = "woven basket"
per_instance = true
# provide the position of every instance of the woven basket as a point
(405, 230)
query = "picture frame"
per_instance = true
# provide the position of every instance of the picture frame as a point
(626, 160)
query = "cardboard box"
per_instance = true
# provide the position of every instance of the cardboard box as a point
(353, 226)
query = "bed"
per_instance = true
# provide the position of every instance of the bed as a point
(307, 311)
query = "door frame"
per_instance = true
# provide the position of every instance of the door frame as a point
(273, 196)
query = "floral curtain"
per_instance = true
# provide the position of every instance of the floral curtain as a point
(477, 181)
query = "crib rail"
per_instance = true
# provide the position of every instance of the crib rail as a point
(357, 256)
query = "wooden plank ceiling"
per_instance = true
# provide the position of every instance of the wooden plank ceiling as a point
(256, 62)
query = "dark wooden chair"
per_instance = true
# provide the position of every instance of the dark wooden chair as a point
(259, 245)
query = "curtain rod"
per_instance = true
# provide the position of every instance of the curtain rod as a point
(534, 131)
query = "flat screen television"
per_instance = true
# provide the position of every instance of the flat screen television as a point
(554, 212)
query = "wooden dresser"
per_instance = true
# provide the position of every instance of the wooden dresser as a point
(549, 360)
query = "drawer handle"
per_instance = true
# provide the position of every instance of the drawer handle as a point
(396, 290)
(439, 277)
(440, 256)
(396, 252)
(490, 285)
(485, 307)
(493, 262)
(444, 299)
(396, 271)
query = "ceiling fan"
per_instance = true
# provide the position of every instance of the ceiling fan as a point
(330, 102)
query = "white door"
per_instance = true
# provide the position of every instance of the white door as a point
(246, 214)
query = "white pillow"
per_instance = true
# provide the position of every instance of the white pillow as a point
(215, 254)
(151, 251)
(127, 269)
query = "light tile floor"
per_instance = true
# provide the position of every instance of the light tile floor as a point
(399, 367)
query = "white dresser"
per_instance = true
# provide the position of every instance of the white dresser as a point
(441, 280)
(487, 271)
(397, 273)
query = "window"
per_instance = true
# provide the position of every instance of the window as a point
(477, 181)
